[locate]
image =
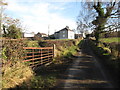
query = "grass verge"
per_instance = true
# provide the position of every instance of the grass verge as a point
(110, 40)
(32, 44)
(111, 63)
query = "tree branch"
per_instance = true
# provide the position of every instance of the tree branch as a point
(118, 26)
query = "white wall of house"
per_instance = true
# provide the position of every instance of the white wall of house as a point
(28, 34)
(71, 35)
(44, 36)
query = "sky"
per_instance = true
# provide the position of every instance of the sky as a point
(44, 15)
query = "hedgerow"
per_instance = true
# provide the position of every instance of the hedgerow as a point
(14, 71)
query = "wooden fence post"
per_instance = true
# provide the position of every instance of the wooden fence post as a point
(33, 57)
(53, 50)
(41, 56)
(48, 55)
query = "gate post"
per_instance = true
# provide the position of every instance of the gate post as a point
(41, 56)
(53, 50)
(33, 58)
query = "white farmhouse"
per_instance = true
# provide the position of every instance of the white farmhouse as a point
(64, 33)
(28, 35)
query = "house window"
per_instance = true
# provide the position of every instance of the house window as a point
(63, 35)
(63, 31)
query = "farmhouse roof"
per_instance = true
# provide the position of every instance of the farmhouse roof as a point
(66, 28)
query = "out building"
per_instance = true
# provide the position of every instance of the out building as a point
(78, 36)
(64, 33)
(29, 35)
(41, 35)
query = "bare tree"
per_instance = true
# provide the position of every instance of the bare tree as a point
(2, 3)
(101, 13)
(85, 18)
(105, 10)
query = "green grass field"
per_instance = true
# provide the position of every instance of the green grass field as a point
(110, 40)
(33, 44)
(59, 39)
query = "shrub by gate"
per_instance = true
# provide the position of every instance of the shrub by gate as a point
(37, 56)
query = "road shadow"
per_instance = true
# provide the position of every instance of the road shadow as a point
(83, 72)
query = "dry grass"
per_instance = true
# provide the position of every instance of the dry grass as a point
(15, 74)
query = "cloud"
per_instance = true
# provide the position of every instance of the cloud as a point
(15, 7)
(38, 16)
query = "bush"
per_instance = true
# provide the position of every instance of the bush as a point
(69, 52)
(63, 43)
(39, 82)
(12, 49)
(12, 32)
(14, 71)
(42, 82)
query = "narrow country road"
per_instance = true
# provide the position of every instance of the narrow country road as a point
(84, 72)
